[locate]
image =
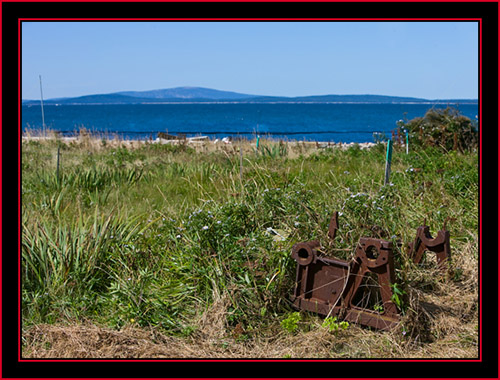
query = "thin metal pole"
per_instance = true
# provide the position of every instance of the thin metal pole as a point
(57, 169)
(41, 102)
(388, 159)
(241, 164)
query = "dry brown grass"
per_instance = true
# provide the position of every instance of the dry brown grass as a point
(90, 341)
(445, 326)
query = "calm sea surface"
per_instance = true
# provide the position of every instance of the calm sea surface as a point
(317, 122)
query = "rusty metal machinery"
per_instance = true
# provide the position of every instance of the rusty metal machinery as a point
(320, 281)
(360, 290)
(440, 245)
(372, 271)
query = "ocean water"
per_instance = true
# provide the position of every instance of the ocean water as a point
(313, 122)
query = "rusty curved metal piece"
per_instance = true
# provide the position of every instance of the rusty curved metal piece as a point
(440, 245)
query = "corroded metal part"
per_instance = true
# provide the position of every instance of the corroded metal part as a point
(330, 286)
(305, 253)
(359, 290)
(319, 282)
(334, 225)
(374, 259)
(440, 245)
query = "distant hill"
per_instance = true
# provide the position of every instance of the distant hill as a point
(187, 93)
(208, 95)
(356, 99)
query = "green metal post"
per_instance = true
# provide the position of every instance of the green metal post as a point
(388, 159)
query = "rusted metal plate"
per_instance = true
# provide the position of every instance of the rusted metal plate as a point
(319, 281)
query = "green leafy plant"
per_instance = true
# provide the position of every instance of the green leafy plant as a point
(333, 325)
(397, 296)
(274, 151)
(291, 323)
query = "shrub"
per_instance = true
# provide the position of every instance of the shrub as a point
(443, 128)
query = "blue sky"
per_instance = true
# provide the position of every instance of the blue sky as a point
(433, 60)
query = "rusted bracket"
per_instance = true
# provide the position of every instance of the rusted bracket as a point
(359, 290)
(440, 245)
(369, 292)
(320, 281)
(337, 287)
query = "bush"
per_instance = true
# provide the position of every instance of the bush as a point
(443, 128)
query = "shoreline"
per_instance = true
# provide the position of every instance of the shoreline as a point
(191, 141)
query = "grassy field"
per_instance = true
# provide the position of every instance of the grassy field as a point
(152, 250)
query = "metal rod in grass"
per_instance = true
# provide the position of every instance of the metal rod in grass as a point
(57, 164)
(41, 103)
(241, 164)
(388, 159)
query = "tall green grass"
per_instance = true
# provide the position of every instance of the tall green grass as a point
(149, 235)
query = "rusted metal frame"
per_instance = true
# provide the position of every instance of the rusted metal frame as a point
(423, 242)
(328, 286)
(373, 256)
(319, 280)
